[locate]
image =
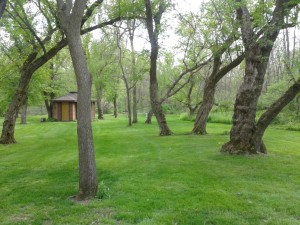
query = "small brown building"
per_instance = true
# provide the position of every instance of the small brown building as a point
(65, 108)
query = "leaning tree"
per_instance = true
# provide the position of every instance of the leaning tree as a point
(258, 44)
(225, 53)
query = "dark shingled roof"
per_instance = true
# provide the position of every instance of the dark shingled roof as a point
(71, 97)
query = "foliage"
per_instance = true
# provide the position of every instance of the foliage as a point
(181, 179)
(220, 117)
(186, 117)
(103, 191)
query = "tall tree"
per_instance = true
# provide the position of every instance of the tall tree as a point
(222, 45)
(125, 77)
(258, 46)
(131, 31)
(153, 21)
(70, 16)
(103, 66)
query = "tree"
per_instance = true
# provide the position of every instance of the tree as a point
(258, 46)
(153, 21)
(222, 45)
(30, 42)
(2, 7)
(70, 16)
(41, 50)
(103, 66)
(268, 116)
(125, 77)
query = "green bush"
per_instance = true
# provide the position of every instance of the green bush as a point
(186, 117)
(220, 117)
(103, 191)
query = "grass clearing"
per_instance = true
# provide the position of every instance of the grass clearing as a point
(146, 179)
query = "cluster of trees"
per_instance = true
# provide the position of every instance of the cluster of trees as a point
(223, 41)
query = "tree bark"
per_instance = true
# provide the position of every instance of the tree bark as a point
(134, 105)
(208, 98)
(268, 116)
(48, 103)
(153, 36)
(149, 117)
(131, 30)
(115, 105)
(24, 111)
(2, 7)
(70, 17)
(126, 81)
(209, 92)
(8, 128)
(243, 131)
(99, 91)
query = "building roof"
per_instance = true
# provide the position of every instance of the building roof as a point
(71, 97)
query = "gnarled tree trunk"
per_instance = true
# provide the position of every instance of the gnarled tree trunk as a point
(243, 134)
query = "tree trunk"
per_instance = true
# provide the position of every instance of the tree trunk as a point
(128, 106)
(8, 129)
(48, 108)
(29, 67)
(99, 102)
(48, 104)
(88, 184)
(209, 92)
(242, 134)
(268, 116)
(71, 18)
(243, 138)
(126, 81)
(204, 109)
(149, 117)
(134, 105)
(115, 105)
(131, 30)
(153, 36)
(192, 111)
(24, 112)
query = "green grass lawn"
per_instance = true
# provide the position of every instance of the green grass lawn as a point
(146, 179)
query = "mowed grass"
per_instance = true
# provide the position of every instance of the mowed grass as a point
(146, 179)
